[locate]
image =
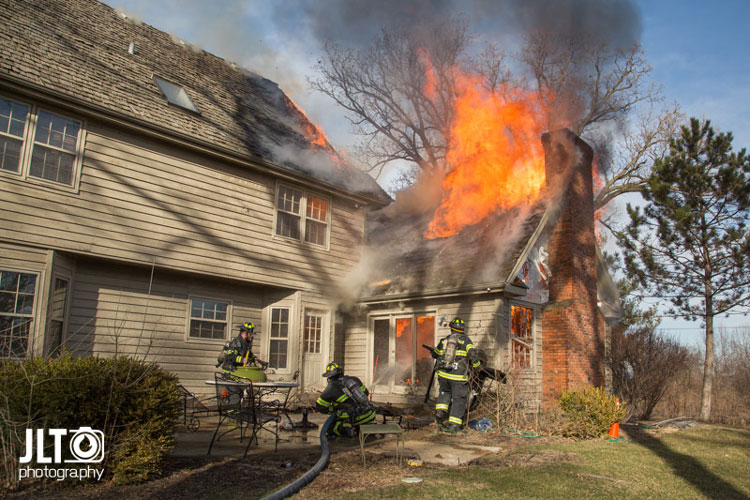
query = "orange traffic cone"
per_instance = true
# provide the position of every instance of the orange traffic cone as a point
(614, 430)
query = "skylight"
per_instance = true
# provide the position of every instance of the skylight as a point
(175, 95)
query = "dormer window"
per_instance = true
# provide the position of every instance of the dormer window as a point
(175, 95)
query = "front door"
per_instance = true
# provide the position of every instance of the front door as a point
(314, 348)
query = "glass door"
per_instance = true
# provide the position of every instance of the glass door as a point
(400, 364)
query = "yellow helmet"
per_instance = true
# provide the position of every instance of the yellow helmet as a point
(247, 327)
(457, 325)
(333, 370)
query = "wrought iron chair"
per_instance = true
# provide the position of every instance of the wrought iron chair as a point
(231, 406)
(265, 415)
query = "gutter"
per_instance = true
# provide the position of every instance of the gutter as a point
(444, 293)
(63, 101)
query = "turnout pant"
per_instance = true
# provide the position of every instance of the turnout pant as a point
(453, 395)
(346, 419)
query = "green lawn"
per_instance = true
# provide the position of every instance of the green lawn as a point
(703, 462)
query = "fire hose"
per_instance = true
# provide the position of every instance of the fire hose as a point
(311, 474)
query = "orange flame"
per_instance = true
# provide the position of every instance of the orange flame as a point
(315, 135)
(495, 153)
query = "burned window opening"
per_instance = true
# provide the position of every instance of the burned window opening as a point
(522, 327)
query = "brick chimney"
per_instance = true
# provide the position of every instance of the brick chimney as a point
(572, 325)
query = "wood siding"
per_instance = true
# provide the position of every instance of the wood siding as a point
(142, 202)
(119, 309)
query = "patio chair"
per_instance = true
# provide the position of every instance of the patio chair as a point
(231, 406)
(265, 415)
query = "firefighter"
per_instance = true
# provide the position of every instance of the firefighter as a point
(348, 397)
(455, 354)
(239, 352)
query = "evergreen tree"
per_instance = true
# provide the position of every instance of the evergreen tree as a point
(690, 243)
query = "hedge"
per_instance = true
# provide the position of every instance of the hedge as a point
(135, 404)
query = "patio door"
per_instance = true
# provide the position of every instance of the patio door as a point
(400, 364)
(314, 348)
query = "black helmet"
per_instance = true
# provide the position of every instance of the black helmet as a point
(457, 325)
(247, 327)
(333, 370)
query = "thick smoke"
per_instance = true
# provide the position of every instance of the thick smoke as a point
(356, 22)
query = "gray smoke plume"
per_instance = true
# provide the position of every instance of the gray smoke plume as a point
(356, 22)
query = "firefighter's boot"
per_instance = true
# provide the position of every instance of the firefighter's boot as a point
(454, 428)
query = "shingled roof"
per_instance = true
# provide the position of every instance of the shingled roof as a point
(79, 49)
(484, 254)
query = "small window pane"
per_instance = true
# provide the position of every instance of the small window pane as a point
(52, 165)
(278, 353)
(57, 131)
(10, 154)
(7, 302)
(25, 304)
(315, 232)
(9, 281)
(13, 117)
(26, 283)
(288, 225)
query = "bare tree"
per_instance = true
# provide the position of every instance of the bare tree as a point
(399, 93)
(585, 82)
(639, 147)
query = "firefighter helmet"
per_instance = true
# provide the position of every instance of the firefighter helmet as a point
(247, 327)
(457, 325)
(333, 370)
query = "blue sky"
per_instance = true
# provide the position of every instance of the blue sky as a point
(699, 50)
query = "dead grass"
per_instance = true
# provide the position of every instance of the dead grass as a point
(701, 462)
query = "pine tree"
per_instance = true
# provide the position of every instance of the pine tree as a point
(690, 244)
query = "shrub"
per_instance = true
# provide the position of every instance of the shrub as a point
(135, 404)
(589, 412)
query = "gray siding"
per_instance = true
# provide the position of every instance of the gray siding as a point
(148, 203)
(118, 309)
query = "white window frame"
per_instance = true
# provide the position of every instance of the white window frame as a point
(288, 338)
(303, 217)
(527, 341)
(227, 322)
(29, 143)
(391, 386)
(33, 315)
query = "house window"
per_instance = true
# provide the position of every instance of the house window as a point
(310, 224)
(12, 132)
(398, 356)
(313, 332)
(56, 321)
(208, 319)
(279, 338)
(522, 320)
(17, 291)
(55, 143)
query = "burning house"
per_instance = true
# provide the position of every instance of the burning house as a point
(529, 280)
(155, 197)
